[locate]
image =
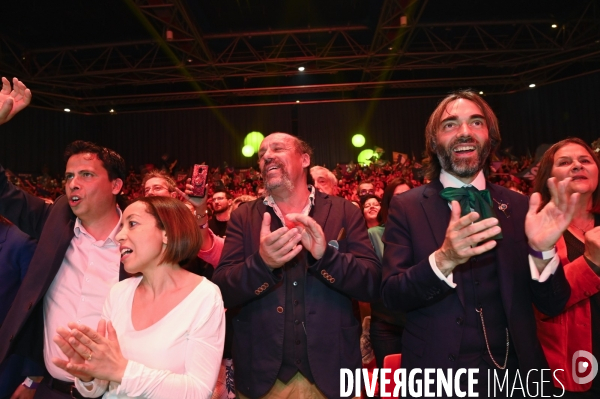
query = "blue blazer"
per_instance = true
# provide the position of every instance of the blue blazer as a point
(332, 330)
(415, 228)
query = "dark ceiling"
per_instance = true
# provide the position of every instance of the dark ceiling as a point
(145, 55)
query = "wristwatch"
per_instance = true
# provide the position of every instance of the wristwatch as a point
(30, 384)
(544, 255)
(199, 217)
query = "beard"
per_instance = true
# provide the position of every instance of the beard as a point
(220, 210)
(463, 167)
(276, 182)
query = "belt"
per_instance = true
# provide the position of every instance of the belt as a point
(65, 387)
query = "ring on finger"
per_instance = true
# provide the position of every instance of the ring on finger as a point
(89, 358)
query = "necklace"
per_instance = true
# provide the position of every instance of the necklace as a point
(586, 228)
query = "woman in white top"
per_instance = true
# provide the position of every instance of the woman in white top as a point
(162, 332)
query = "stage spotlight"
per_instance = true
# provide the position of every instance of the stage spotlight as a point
(301, 69)
(67, 110)
(532, 85)
(364, 158)
(358, 140)
(253, 139)
(247, 151)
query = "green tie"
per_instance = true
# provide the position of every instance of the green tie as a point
(470, 198)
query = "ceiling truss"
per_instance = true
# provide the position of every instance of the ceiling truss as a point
(401, 53)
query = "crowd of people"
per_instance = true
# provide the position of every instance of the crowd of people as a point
(508, 173)
(130, 286)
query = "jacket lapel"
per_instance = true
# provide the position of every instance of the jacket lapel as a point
(504, 253)
(320, 211)
(436, 210)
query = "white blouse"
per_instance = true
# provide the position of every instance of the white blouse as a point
(177, 357)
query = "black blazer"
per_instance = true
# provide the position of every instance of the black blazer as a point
(415, 228)
(332, 330)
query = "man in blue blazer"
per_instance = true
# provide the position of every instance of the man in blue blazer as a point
(293, 261)
(467, 282)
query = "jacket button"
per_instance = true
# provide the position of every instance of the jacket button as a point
(29, 306)
(257, 292)
(279, 309)
(459, 321)
(296, 321)
(332, 279)
(323, 273)
(451, 358)
(295, 283)
(11, 338)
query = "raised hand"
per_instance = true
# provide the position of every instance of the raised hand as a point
(199, 203)
(462, 237)
(313, 238)
(544, 227)
(13, 101)
(280, 246)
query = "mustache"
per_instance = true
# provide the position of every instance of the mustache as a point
(463, 140)
(268, 165)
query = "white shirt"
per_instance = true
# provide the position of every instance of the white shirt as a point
(88, 271)
(448, 180)
(179, 356)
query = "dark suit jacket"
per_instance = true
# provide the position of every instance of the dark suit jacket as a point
(22, 330)
(415, 228)
(332, 330)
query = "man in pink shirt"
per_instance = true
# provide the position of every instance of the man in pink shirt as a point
(77, 259)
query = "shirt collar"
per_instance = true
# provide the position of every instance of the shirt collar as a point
(78, 229)
(448, 180)
(269, 201)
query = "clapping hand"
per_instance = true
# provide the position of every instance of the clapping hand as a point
(313, 238)
(102, 357)
(544, 227)
(464, 239)
(280, 246)
(13, 101)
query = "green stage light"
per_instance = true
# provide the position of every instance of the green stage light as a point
(358, 140)
(364, 158)
(254, 139)
(247, 151)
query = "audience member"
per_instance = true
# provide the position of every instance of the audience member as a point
(386, 325)
(370, 206)
(221, 212)
(76, 261)
(16, 249)
(296, 326)
(465, 281)
(160, 184)
(178, 314)
(325, 180)
(578, 326)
